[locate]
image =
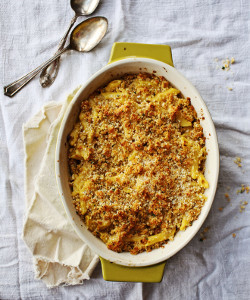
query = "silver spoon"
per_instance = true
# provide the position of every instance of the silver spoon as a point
(84, 37)
(81, 8)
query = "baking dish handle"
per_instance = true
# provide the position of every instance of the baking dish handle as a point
(115, 272)
(127, 50)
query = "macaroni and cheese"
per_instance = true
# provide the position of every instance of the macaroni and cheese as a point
(136, 156)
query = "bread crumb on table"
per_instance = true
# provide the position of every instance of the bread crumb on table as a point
(234, 235)
(243, 189)
(202, 234)
(226, 63)
(243, 205)
(237, 161)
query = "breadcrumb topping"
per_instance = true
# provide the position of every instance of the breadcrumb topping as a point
(136, 158)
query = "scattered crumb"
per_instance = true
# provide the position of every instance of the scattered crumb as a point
(243, 189)
(202, 234)
(243, 205)
(206, 229)
(221, 208)
(227, 197)
(237, 161)
(226, 63)
(234, 235)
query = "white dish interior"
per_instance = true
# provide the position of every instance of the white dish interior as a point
(106, 74)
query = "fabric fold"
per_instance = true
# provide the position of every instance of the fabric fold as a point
(60, 256)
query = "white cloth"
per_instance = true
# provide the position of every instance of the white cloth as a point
(198, 32)
(60, 256)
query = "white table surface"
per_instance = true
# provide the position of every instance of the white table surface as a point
(198, 32)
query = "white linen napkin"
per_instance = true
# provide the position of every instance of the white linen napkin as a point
(60, 256)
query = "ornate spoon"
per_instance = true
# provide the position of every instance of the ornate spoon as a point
(81, 8)
(84, 37)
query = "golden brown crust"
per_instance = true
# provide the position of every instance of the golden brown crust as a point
(137, 158)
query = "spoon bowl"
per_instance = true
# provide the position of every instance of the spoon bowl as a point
(88, 34)
(84, 7)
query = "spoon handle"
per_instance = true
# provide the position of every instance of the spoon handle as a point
(14, 87)
(49, 73)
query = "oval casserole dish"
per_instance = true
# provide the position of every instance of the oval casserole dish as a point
(102, 77)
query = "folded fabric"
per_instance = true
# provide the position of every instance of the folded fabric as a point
(60, 256)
